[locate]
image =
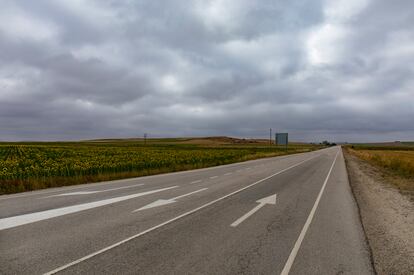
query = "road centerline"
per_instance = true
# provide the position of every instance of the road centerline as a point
(174, 219)
(143, 178)
(92, 191)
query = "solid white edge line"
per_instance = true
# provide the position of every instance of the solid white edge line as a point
(171, 220)
(93, 184)
(295, 250)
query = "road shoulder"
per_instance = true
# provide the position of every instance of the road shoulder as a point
(335, 242)
(387, 217)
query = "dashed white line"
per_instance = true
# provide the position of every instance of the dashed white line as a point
(68, 188)
(196, 181)
(171, 220)
(87, 257)
(228, 174)
(92, 191)
(213, 177)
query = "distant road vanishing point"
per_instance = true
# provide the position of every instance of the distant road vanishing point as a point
(292, 214)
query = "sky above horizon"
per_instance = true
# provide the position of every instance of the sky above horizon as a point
(336, 70)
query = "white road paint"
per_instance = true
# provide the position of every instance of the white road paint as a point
(262, 202)
(228, 174)
(213, 177)
(298, 243)
(196, 181)
(68, 188)
(103, 250)
(248, 168)
(48, 214)
(92, 191)
(169, 201)
(75, 187)
(73, 194)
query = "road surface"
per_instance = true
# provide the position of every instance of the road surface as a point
(285, 215)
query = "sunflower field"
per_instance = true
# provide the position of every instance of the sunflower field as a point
(25, 167)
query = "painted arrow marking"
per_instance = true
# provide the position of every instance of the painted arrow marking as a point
(262, 202)
(165, 202)
(48, 214)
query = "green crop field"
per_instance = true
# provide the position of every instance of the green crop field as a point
(31, 166)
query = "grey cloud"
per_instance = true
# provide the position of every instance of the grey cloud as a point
(119, 69)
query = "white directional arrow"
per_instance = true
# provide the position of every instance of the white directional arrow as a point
(52, 213)
(168, 201)
(262, 202)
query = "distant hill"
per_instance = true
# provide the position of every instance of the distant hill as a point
(214, 140)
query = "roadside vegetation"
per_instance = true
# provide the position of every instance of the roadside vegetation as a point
(397, 160)
(31, 166)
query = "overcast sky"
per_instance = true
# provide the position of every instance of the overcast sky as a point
(337, 70)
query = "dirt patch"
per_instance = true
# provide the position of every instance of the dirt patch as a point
(387, 217)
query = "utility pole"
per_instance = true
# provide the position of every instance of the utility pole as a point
(145, 139)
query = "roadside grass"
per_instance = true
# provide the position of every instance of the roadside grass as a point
(397, 161)
(27, 166)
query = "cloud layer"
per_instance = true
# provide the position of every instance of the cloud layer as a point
(338, 70)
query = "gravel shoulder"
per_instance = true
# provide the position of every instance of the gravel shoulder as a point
(387, 217)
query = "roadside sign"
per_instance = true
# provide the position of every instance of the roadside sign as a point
(281, 139)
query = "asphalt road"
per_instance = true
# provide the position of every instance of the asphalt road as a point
(284, 215)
